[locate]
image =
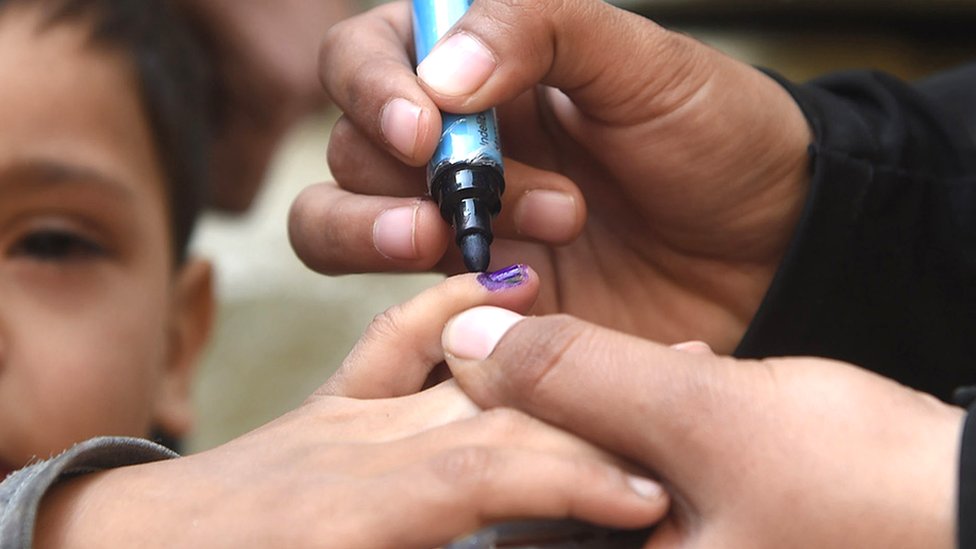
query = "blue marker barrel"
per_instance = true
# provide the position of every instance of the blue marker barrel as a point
(465, 176)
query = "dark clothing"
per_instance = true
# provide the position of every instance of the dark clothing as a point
(882, 269)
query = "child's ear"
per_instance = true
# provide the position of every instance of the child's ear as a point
(192, 312)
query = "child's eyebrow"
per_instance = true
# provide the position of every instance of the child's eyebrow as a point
(41, 173)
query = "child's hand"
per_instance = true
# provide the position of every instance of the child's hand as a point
(402, 346)
(412, 471)
(655, 193)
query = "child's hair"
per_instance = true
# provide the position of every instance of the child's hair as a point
(174, 88)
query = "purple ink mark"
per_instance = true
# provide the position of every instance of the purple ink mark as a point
(506, 278)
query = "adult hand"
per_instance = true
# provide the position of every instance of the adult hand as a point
(795, 452)
(358, 466)
(268, 79)
(692, 166)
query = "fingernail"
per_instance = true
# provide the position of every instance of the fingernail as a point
(644, 487)
(693, 347)
(458, 66)
(393, 232)
(399, 122)
(550, 216)
(503, 279)
(559, 101)
(473, 334)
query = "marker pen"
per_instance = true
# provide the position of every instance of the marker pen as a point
(465, 175)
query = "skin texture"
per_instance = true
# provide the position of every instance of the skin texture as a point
(98, 330)
(624, 189)
(791, 452)
(360, 454)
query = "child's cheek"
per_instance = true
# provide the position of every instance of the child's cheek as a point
(85, 351)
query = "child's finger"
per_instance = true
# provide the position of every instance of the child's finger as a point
(466, 489)
(403, 344)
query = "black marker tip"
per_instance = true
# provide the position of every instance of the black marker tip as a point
(476, 253)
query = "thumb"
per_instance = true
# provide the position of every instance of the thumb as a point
(500, 49)
(662, 408)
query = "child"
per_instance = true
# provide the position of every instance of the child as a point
(103, 124)
(102, 316)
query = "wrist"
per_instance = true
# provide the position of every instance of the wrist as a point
(61, 514)
(111, 508)
(75, 513)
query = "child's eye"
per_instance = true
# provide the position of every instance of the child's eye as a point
(56, 245)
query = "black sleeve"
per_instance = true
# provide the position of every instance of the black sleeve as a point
(882, 269)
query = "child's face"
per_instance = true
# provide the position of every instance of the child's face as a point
(97, 330)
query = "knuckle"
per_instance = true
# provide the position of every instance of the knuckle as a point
(303, 227)
(342, 155)
(339, 64)
(351, 64)
(519, 22)
(318, 229)
(386, 324)
(521, 8)
(466, 467)
(299, 214)
(333, 38)
(356, 90)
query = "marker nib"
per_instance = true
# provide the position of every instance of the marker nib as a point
(477, 254)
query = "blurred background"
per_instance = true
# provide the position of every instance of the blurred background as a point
(282, 330)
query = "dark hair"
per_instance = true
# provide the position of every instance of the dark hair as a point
(175, 89)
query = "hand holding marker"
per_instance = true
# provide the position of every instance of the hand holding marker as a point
(465, 175)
